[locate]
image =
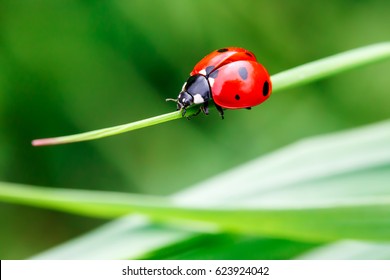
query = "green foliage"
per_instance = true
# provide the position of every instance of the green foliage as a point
(314, 191)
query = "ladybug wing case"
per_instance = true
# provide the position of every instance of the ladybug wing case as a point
(240, 84)
(221, 57)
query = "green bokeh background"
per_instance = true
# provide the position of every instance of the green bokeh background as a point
(72, 66)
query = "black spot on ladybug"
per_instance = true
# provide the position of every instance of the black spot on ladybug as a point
(222, 50)
(209, 69)
(243, 73)
(265, 89)
(237, 97)
(214, 74)
(249, 54)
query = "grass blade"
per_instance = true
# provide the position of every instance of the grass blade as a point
(330, 66)
(110, 131)
(332, 220)
(287, 79)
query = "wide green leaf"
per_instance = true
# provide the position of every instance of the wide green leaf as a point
(326, 219)
(349, 250)
(305, 173)
(322, 189)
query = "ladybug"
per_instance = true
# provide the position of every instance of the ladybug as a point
(231, 77)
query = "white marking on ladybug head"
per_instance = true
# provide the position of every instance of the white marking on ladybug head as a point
(198, 99)
(203, 72)
(184, 86)
(211, 82)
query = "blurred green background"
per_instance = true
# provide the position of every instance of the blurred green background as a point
(72, 66)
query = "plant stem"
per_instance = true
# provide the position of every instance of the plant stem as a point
(287, 79)
(100, 133)
(331, 65)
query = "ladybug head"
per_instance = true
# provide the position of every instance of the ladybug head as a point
(184, 100)
(195, 91)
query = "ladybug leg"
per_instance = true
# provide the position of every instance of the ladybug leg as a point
(205, 108)
(248, 108)
(220, 110)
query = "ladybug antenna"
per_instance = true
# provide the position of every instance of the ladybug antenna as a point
(171, 99)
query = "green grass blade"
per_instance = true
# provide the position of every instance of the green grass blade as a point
(287, 79)
(331, 220)
(110, 131)
(330, 66)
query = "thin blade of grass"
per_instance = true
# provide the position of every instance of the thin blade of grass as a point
(287, 79)
(110, 131)
(331, 65)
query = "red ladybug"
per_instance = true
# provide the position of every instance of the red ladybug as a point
(231, 77)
